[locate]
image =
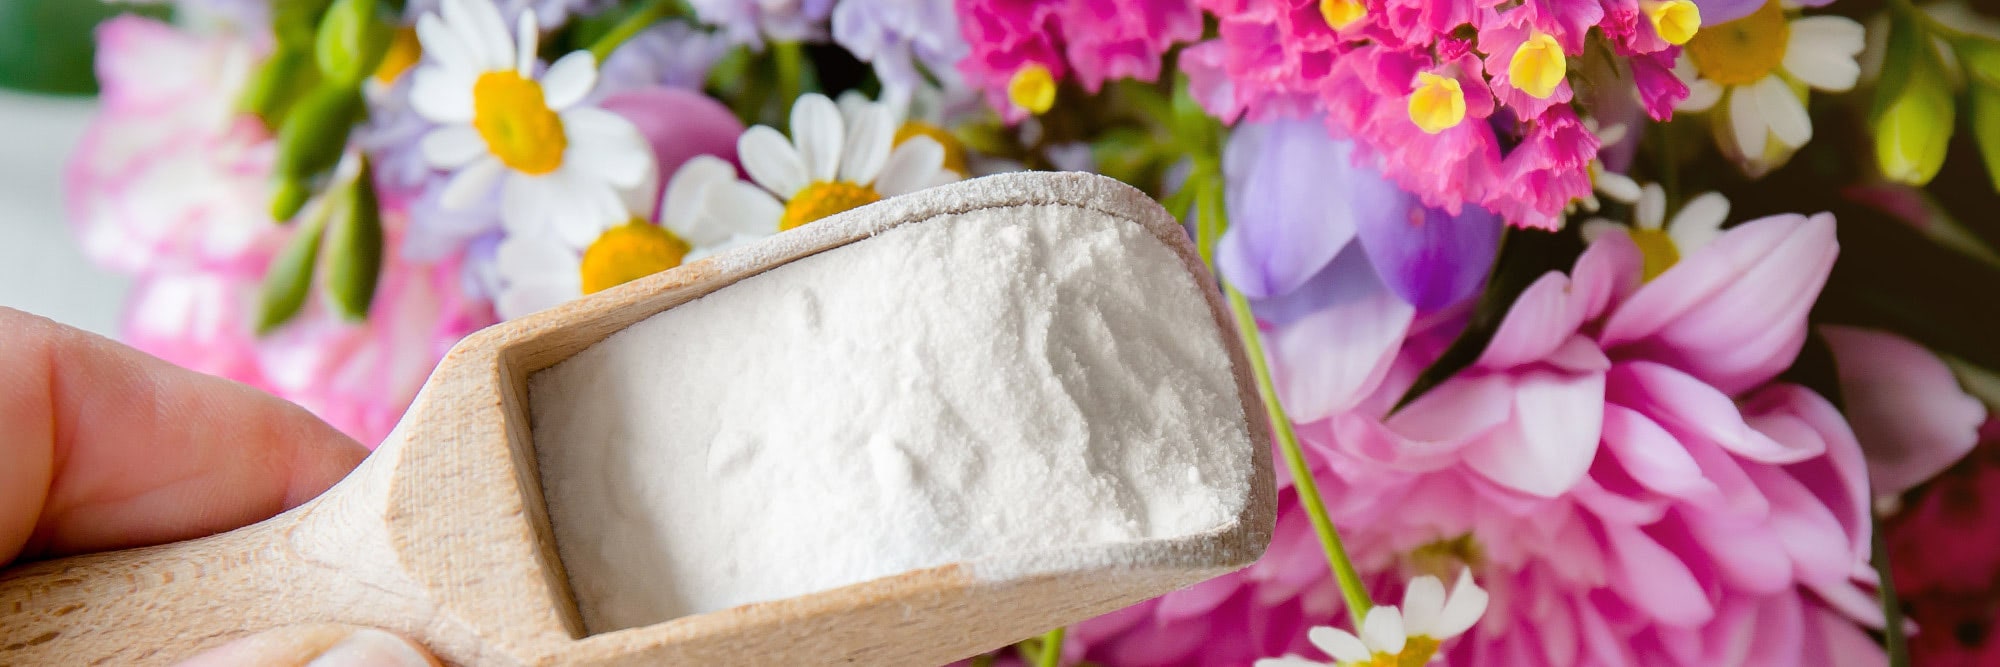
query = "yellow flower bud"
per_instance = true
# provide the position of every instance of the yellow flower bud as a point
(1538, 66)
(1437, 104)
(1342, 13)
(1032, 88)
(1675, 20)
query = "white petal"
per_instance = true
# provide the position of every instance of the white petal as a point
(479, 24)
(531, 297)
(569, 80)
(471, 184)
(1698, 222)
(528, 40)
(1287, 661)
(1702, 96)
(533, 257)
(871, 132)
(1617, 186)
(625, 165)
(1819, 64)
(1595, 228)
(911, 167)
(1382, 630)
(443, 46)
(524, 205)
(1783, 111)
(1462, 608)
(738, 208)
(1340, 644)
(818, 132)
(1423, 602)
(1832, 35)
(771, 161)
(1652, 208)
(453, 146)
(1747, 123)
(851, 103)
(442, 95)
(683, 198)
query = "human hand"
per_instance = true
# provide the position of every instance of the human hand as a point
(104, 447)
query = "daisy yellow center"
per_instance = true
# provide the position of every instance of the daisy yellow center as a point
(404, 52)
(1032, 88)
(515, 120)
(1657, 249)
(823, 199)
(954, 150)
(1745, 50)
(629, 252)
(1675, 20)
(1443, 558)
(1437, 104)
(1342, 13)
(1538, 66)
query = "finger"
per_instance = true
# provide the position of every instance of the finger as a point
(104, 447)
(318, 645)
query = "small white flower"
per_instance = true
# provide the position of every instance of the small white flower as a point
(833, 162)
(538, 272)
(1662, 242)
(1412, 634)
(563, 166)
(1758, 68)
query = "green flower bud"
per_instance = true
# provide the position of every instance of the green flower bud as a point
(278, 83)
(294, 22)
(285, 283)
(351, 41)
(1913, 131)
(354, 248)
(311, 141)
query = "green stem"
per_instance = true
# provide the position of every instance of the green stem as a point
(1892, 608)
(637, 22)
(791, 59)
(1052, 644)
(1214, 218)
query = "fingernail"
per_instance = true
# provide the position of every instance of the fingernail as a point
(371, 648)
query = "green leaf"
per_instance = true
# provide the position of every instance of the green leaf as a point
(351, 41)
(1904, 50)
(289, 278)
(1525, 256)
(47, 46)
(354, 248)
(311, 141)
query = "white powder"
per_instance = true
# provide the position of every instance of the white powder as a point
(993, 382)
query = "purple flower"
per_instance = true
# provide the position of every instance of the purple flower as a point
(894, 35)
(551, 14)
(750, 21)
(673, 55)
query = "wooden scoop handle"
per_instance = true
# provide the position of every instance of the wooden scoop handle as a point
(161, 604)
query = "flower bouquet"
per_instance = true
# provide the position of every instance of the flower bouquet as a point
(1633, 321)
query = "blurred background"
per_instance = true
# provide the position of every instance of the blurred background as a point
(46, 99)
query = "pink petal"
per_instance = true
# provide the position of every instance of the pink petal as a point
(1745, 554)
(1907, 409)
(1331, 359)
(1540, 320)
(1654, 579)
(1686, 405)
(1552, 438)
(1809, 531)
(1653, 457)
(1839, 479)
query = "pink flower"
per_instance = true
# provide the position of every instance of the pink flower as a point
(1096, 40)
(168, 177)
(1912, 418)
(1945, 548)
(171, 186)
(1619, 468)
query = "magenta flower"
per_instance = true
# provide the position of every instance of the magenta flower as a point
(1619, 469)
(1094, 40)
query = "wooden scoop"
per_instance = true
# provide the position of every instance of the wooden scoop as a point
(442, 535)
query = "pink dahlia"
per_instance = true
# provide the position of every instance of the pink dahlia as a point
(1620, 469)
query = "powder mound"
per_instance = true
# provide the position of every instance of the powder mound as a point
(987, 383)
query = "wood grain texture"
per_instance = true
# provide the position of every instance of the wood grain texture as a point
(442, 534)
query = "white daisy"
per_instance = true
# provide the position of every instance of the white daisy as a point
(561, 164)
(1408, 636)
(920, 117)
(537, 272)
(832, 163)
(1759, 68)
(1661, 242)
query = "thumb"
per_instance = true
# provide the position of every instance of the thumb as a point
(322, 645)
